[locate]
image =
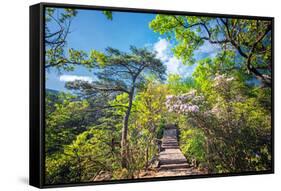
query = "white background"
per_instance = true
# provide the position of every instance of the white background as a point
(14, 74)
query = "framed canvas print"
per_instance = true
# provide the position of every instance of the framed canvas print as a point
(127, 95)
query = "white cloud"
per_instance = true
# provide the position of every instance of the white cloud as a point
(174, 65)
(71, 78)
(162, 49)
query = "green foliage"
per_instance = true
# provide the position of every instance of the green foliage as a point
(57, 29)
(246, 40)
(237, 128)
(149, 103)
(111, 128)
(231, 133)
(160, 129)
(64, 120)
(108, 14)
(63, 14)
(88, 155)
(146, 122)
(193, 145)
(173, 26)
(58, 169)
(177, 85)
(99, 57)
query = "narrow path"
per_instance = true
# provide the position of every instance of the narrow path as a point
(172, 162)
(171, 157)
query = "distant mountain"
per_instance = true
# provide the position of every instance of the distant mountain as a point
(51, 91)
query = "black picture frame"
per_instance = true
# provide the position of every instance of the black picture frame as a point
(37, 93)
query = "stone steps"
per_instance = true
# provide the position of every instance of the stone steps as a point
(173, 161)
(171, 147)
(181, 166)
(171, 158)
(168, 144)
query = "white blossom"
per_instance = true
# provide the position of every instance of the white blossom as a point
(222, 80)
(184, 103)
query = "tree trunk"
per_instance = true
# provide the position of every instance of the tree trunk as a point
(124, 141)
(146, 157)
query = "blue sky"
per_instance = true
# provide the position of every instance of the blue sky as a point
(91, 30)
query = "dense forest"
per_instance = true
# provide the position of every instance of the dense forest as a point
(111, 127)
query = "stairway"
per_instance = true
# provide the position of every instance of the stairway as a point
(171, 161)
(171, 158)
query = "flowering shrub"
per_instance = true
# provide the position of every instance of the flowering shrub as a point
(222, 80)
(234, 129)
(185, 103)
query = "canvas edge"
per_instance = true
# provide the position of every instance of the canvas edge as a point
(34, 95)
